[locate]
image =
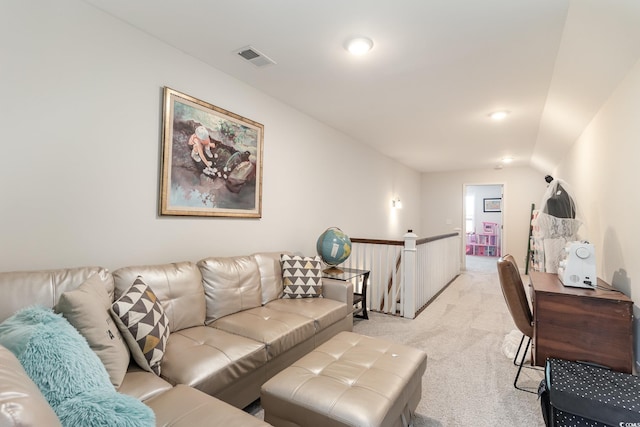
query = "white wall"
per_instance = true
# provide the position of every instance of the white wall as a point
(481, 192)
(80, 113)
(442, 202)
(602, 169)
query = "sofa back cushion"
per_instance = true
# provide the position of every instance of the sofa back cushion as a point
(21, 402)
(21, 289)
(270, 269)
(178, 287)
(230, 285)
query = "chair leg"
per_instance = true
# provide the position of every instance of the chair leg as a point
(524, 355)
(515, 358)
(518, 352)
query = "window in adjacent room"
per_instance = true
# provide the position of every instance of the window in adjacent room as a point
(469, 213)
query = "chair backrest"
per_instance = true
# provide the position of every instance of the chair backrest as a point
(515, 295)
(511, 259)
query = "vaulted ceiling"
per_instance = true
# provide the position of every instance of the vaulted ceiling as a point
(423, 94)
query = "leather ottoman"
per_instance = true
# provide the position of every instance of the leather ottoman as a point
(351, 380)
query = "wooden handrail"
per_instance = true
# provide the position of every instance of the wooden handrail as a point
(434, 238)
(378, 242)
(401, 242)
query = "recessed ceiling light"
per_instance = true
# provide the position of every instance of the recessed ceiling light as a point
(507, 160)
(498, 115)
(358, 45)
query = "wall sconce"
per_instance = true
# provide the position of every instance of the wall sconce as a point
(396, 203)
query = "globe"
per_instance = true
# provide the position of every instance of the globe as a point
(333, 246)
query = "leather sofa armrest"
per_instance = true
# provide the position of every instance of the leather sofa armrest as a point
(338, 290)
(21, 403)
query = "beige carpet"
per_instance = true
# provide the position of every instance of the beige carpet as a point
(481, 263)
(468, 381)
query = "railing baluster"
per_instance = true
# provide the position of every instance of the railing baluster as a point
(436, 262)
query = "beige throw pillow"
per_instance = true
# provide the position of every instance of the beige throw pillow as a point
(87, 309)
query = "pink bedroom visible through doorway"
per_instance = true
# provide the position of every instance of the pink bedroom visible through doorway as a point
(483, 220)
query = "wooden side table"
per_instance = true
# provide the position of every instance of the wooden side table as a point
(359, 297)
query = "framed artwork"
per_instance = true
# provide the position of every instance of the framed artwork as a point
(211, 160)
(492, 205)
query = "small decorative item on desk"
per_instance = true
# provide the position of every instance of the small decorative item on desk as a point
(334, 247)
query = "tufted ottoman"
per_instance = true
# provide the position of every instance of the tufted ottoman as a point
(351, 380)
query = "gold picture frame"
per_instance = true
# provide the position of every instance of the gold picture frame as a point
(211, 160)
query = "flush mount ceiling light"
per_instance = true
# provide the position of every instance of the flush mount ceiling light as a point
(498, 115)
(358, 45)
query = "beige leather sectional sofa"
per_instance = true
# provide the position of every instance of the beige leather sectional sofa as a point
(230, 331)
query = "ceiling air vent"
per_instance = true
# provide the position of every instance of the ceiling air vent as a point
(254, 56)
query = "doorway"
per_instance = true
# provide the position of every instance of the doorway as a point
(483, 231)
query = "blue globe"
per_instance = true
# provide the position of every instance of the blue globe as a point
(333, 246)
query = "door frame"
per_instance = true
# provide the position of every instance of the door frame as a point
(463, 232)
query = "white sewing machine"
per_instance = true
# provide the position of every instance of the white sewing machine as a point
(578, 268)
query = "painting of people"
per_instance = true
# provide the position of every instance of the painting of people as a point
(212, 160)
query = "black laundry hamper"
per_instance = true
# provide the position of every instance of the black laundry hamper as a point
(577, 394)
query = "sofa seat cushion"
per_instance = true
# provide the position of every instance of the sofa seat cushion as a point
(323, 311)
(183, 406)
(142, 384)
(210, 359)
(278, 330)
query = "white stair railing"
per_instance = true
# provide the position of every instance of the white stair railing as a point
(437, 264)
(381, 258)
(406, 274)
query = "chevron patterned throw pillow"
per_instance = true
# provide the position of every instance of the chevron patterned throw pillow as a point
(143, 324)
(301, 276)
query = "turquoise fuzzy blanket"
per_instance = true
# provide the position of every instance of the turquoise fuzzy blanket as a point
(69, 374)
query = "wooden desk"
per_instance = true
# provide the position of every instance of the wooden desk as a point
(581, 324)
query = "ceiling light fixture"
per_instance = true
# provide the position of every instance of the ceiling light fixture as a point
(358, 45)
(507, 160)
(498, 115)
(396, 203)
